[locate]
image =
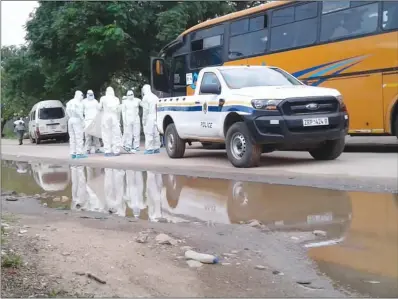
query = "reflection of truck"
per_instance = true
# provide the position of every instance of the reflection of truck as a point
(51, 177)
(254, 109)
(278, 207)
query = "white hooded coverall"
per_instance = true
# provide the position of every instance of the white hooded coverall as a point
(153, 194)
(79, 191)
(124, 125)
(90, 110)
(114, 189)
(149, 102)
(111, 135)
(134, 194)
(131, 121)
(74, 110)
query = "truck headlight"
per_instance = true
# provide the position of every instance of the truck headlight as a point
(266, 104)
(343, 107)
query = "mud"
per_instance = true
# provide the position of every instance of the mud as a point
(336, 240)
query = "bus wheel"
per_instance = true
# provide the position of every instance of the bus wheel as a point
(241, 152)
(396, 126)
(328, 150)
(175, 146)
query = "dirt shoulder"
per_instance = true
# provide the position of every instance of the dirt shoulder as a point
(58, 250)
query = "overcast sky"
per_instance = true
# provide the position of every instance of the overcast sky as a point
(14, 15)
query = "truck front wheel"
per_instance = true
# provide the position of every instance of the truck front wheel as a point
(328, 150)
(175, 146)
(241, 151)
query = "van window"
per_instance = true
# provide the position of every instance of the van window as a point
(51, 113)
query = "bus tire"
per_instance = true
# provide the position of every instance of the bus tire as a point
(241, 151)
(329, 150)
(396, 125)
(175, 146)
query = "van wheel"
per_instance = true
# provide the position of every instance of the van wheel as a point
(31, 139)
(329, 150)
(175, 146)
(38, 140)
(241, 151)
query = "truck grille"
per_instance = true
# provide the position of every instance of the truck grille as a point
(297, 106)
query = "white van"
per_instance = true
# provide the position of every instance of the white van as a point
(48, 120)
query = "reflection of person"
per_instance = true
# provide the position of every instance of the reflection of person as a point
(79, 191)
(95, 202)
(152, 139)
(22, 167)
(20, 129)
(153, 194)
(131, 122)
(74, 110)
(114, 187)
(134, 196)
(90, 109)
(111, 135)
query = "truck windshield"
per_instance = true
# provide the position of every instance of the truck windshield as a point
(251, 77)
(51, 113)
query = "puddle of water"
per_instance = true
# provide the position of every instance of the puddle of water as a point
(360, 248)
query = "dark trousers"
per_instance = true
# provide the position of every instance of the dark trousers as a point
(20, 136)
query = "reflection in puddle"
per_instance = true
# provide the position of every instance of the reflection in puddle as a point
(359, 242)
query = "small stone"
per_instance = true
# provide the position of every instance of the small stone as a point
(276, 272)
(164, 239)
(237, 264)
(56, 199)
(372, 281)
(22, 194)
(194, 264)
(319, 233)
(229, 254)
(64, 198)
(26, 226)
(142, 238)
(180, 257)
(254, 223)
(45, 204)
(225, 264)
(234, 251)
(303, 282)
(37, 196)
(65, 253)
(259, 267)
(23, 231)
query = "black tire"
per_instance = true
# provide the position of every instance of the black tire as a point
(38, 140)
(267, 149)
(66, 138)
(213, 146)
(32, 140)
(329, 150)
(251, 155)
(176, 147)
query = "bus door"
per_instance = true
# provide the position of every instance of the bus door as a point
(159, 77)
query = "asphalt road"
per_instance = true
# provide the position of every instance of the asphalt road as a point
(368, 164)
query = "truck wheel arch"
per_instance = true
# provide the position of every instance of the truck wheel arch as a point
(166, 121)
(230, 119)
(394, 119)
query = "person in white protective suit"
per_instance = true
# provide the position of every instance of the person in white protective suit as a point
(111, 135)
(153, 193)
(149, 103)
(131, 119)
(90, 110)
(74, 110)
(96, 200)
(114, 189)
(79, 191)
(134, 193)
(124, 125)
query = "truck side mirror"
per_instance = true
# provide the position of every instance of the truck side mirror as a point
(210, 89)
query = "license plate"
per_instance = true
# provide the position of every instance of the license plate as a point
(311, 122)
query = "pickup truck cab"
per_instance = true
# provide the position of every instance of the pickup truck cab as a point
(254, 109)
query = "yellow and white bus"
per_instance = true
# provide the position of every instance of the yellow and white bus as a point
(348, 45)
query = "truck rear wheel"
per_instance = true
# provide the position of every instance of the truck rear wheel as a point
(241, 151)
(329, 150)
(175, 146)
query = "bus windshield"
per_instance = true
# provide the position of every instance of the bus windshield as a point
(251, 77)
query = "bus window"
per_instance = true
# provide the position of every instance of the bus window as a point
(330, 6)
(390, 15)
(306, 11)
(239, 27)
(296, 34)
(179, 70)
(349, 22)
(206, 51)
(249, 43)
(283, 16)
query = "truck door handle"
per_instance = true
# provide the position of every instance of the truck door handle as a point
(221, 102)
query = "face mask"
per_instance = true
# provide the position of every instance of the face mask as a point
(90, 96)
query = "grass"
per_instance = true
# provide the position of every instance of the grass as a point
(9, 133)
(11, 261)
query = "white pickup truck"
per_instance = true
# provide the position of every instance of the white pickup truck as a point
(252, 110)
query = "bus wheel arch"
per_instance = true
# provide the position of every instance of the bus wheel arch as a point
(394, 119)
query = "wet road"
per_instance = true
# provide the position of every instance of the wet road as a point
(357, 246)
(366, 170)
